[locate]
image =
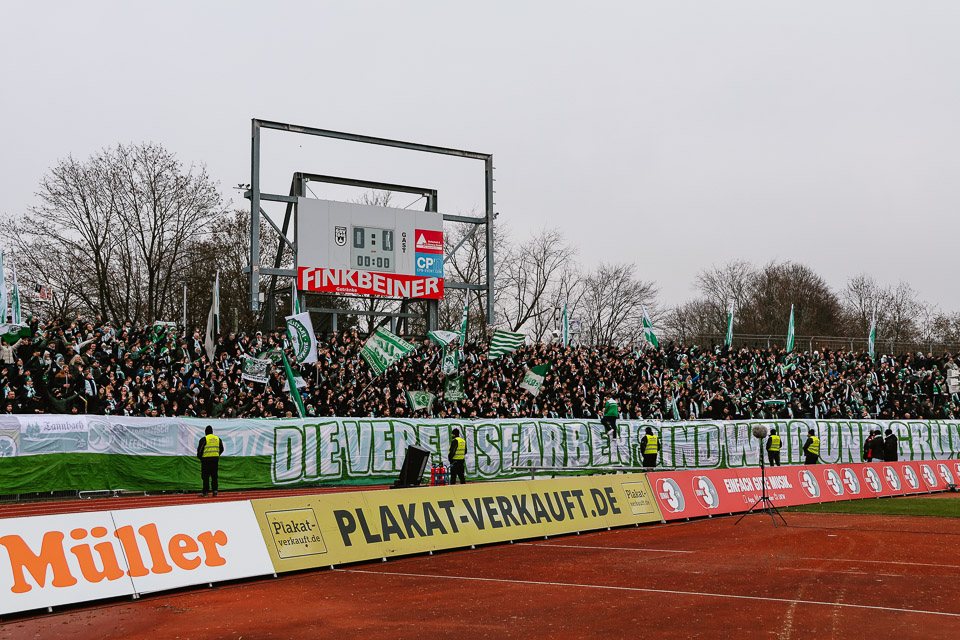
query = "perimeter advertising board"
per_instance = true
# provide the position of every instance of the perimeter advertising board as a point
(691, 494)
(313, 531)
(344, 247)
(52, 560)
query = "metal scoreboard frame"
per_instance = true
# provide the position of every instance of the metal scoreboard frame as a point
(257, 198)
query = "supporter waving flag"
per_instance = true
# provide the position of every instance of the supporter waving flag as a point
(383, 348)
(504, 342)
(648, 329)
(533, 378)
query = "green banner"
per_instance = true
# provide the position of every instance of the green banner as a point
(53, 453)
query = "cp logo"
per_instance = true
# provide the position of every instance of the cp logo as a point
(928, 477)
(706, 493)
(945, 473)
(890, 475)
(809, 484)
(873, 480)
(850, 481)
(911, 477)
(834, 483)
(670, 494)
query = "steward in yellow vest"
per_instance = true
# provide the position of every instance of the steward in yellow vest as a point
(811, 448)
(458, 452)
(650, 446)
(209, 451)
(774, 444)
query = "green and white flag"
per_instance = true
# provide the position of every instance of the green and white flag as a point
(15, 301)
(292, 386)
(294, 299)
(504, 342)
(420, 400)
(729, 341)
(673, 406)
(533, 378)
(453, 389)
(872, 340)
(213, 322)
(648, 329)
(463, 320)
(790, 332)
(451, 356)
(300, 330)
(3, 292)
(565, 326)
(451, 361)
(446, 338)
(297, 380)
(383, 348)
(256, 369)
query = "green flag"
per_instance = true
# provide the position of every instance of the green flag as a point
(790, 332)
(648, 329)
(504, 342)
(565, 326)
(453, 389)
(673, 406)
(729, 341)
(15, 300)
(420, 400)
(445, 338)
(463, 320)
(292, 382)
(872, 340)
(533, 378)
(383, 348)
(294, 299)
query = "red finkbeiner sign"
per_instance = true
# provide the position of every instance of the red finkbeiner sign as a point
(369, 283)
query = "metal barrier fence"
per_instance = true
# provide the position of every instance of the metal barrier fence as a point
(811, 343)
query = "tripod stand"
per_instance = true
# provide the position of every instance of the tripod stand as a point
(765, 503)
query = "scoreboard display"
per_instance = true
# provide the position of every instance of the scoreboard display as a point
(350, 248)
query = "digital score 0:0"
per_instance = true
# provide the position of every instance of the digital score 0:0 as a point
(372, 249)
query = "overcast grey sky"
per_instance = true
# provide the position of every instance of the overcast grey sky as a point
(673, 134)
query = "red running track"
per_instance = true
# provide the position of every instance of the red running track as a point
(824, 575)
(46, 508)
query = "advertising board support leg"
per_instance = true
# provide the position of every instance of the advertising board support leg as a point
(765, 503)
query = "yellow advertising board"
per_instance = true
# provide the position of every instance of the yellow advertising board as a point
(330, 529)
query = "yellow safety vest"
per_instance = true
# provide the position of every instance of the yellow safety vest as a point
(461, 451)
(211, 448)
(814, 447)
(651, 444)
(774, 443)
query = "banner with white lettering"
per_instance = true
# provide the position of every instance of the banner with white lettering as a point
(158, 453)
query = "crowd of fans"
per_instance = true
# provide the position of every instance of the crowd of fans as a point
(99, 368)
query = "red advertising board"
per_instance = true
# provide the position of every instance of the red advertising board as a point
(369, 283)
(427, 241)
(691, 494)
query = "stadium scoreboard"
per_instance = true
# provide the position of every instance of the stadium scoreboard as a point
(350, 248)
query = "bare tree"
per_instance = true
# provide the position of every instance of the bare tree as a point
(532, 278)
(904, 310)
(686, 322)
(778, 286)
(612, 304)
(111, 233)
(720, 287)
(468, 265)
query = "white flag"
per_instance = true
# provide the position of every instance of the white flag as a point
(420, 400)
(213, 322)
(533, 379)
(872, 340)
(648, 329)
(15, 301)
(300, 330)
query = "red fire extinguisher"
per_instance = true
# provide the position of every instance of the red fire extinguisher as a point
(443, 474)
(434, 475)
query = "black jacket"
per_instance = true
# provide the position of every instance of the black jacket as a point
(891, 451)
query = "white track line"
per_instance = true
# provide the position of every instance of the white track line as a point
(584, 546)
(916, 564)
(641, 589)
